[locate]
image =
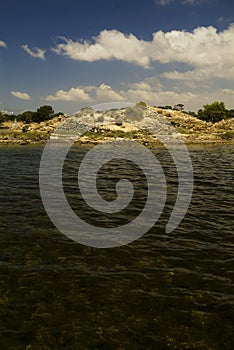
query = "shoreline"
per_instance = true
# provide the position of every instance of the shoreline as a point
(116, 125)
(189, 141)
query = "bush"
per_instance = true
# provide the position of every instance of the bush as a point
(228, 135)
(230, 113)
(6, 117)
(214, 112)
(26, 117)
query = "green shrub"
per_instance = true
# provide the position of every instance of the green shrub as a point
(214, 112)
(228, 135)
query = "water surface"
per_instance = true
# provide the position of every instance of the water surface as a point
(163, 291)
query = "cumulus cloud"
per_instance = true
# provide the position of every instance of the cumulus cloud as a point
(74, 94)
(148, 90)
(105, 92)
(201, 74)
(3, 44)
(164, 97)
(225, 95)
(110, 44)
(152, 92)
(148, 84)
(99, 93)
(188, 75)
(206, 50)
(204, 47)
(192, 100)
(21, 95)
(35, 52)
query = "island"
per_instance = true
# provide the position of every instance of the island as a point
(209, 126)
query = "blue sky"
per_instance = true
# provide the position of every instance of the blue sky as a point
(71, 54)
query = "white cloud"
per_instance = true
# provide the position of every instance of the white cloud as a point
(225, 95)
(191, 100)
(147, 90)
(21, 95)
(110, 44)
(74, 94)
(203, 48)
(201, 74)
(99, 93)
(36, 52)
(105, 92)
(159, 97)
(3, 44)
(148, 84)
(206, 50)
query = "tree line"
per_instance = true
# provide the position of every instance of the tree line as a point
(213, 112)
(42, 114)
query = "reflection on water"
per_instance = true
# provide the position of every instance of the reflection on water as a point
(161, 292)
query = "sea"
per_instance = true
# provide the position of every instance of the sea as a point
(162, 291)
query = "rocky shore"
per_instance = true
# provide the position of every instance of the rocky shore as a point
(132, 123)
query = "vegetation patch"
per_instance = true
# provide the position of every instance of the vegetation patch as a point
(228, 135)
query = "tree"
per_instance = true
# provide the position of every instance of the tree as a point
(8, 117)
(230, 113)
(27, 116)
(193, 114)
(214, 112)
(44, 113)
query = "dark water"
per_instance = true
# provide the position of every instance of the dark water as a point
(163, 291)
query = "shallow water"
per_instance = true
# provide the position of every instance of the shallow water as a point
(163, 291)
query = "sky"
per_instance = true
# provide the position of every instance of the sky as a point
(71, 54)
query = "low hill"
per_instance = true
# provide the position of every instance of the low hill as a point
(127, 122)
